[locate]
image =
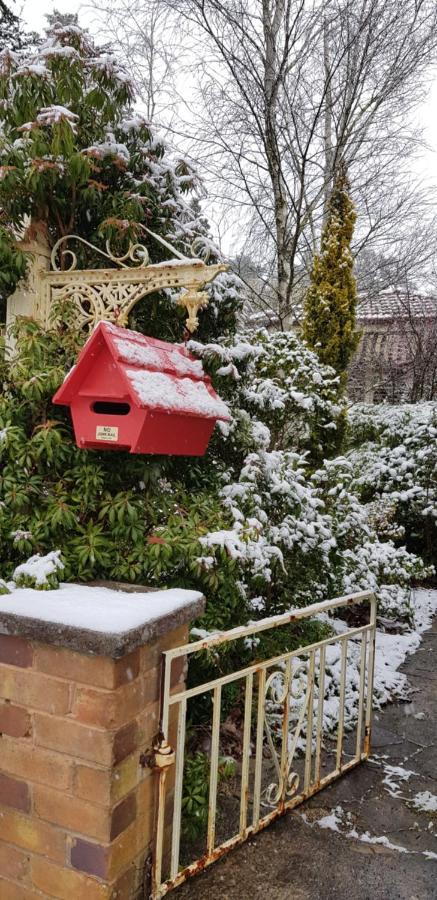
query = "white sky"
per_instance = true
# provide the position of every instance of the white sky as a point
(33, 12)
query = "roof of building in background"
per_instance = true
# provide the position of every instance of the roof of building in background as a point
(385, 307)
(390, 305)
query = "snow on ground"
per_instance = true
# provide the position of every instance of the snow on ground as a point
(425, 801)
(393, 776)
(341, 821)
(390, 684)
(95, 608)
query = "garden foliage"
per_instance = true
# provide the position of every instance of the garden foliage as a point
(77, 160)
(393, 464)
(262, 522)
(257, 528)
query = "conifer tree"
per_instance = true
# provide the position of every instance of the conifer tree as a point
(330, 303)
(10, 31)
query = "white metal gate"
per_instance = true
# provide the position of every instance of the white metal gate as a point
(284, 702)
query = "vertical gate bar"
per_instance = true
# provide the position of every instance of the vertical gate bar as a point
(157, 856)
(179, 776)
(246, 755)
(344, 646)
(259, 746)
(285, 728)
(213, 772)
(160, 806)
(363, 658)
(320, 705)
(310, 712)
(370, 676)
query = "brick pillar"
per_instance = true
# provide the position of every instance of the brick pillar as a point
(76, 807)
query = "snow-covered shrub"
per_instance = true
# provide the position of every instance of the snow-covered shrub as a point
(257, 529)
(273, 380)
(394, 464)
(297, 535)
(40, 572)
(361, 560)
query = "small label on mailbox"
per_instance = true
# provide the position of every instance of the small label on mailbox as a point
(106, 433)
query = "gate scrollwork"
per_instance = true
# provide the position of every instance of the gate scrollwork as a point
(287, 688)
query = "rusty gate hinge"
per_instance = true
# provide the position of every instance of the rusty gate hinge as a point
(160, 757)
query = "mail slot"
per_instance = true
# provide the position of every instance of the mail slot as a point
(103, 407)
(131, 392)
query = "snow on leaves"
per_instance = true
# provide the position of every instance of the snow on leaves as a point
(299, 527)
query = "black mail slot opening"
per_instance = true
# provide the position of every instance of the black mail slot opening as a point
(108, 408)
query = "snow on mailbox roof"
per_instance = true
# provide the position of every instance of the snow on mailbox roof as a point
(158, 375)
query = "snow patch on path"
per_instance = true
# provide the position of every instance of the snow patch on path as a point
(338, 820)
(425, 801)
(392, 776)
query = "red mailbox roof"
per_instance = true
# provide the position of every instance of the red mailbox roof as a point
(157, 375)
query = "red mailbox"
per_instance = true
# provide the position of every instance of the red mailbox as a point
(132, 392)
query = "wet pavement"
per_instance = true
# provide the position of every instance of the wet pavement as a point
(296, 859)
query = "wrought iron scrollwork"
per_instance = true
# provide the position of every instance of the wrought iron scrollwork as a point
(281, 689)
(136, 253)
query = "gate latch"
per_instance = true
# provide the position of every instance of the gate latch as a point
(160, 757)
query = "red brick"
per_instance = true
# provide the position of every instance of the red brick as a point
(11, 891)
(108, 786)
(14, 863)
(14, 720)
(14, 793)
(127, 886)
(178, 670)
(90, 858)
(71, 813)
(131, 884)
(83, 668)
(135, 841)
(151, 654)
(122, 852)
(15, 651)
(123, 815)
(29, 688)
(29, 834)
(67, 736)
(25, 761)
(112, 710)
(92, 784)
(126, 776)
(148, 725)
(66, 884)
(126, 741)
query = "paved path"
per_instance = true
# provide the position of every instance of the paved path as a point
(295, 859)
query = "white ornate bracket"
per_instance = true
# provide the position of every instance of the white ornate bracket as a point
(111, 294)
